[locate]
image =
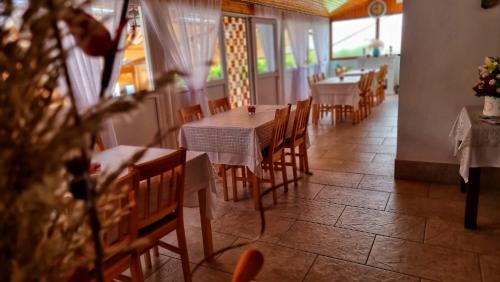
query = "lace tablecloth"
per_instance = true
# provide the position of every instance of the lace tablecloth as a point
(337, 92)
(477, 144)
(199, 171)
(233, 137)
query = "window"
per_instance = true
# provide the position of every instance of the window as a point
(351, 38)
(134, 73)
(215, 72)
(289, 59)
(391, 28)
(264, 40)
(311, 55)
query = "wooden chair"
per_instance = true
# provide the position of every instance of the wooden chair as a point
(322, 76)
(99, 144)
(320, 110)
(159, 187)
(366, 94)
(120, 235)
(189, 114)
(299, 138)
(218, 106)
(381, 84)
(274, 155)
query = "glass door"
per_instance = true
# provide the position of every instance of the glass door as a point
(265, 61)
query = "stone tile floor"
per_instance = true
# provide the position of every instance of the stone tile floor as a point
(351, 221)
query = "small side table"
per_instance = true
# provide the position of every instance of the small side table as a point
(477, 145)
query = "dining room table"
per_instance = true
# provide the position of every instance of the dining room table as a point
(357, 72)
(235, 137)
(199, 185)
(335, 91)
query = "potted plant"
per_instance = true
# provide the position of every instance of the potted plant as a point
(489, 86)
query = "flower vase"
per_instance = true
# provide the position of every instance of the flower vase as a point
(491, 106)
(376, 52)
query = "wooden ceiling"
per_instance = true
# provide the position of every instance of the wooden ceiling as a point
(335, 9)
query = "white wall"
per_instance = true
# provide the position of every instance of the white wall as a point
(444, 41)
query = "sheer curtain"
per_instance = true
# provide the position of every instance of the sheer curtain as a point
(187, 31)
(321, 35)
(298, 30)
(85, 71)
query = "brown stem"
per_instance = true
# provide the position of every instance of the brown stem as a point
(90, 202)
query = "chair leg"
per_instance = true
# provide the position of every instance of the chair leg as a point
(235, 184)
(156, 252)
(305, 158)
(283, 171)
(147, 259)
(181, 240)
(273, 183)
(294, 166)
(222, 169)
(244, 175)
(136, 269)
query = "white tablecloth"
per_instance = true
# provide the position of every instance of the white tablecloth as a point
(335, 91)
(233, 137)
(477, 144)
(199, 171)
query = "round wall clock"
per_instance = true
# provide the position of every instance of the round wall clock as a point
(377, 8)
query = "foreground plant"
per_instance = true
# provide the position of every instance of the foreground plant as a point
(50, 209)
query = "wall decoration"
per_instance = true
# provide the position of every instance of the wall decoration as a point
(377, 8)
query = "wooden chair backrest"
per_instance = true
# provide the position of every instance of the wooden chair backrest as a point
(382, 74)
(219, 105)
(280, 125)
(301, 119)
(160, 183)
(99, 144)
(316, 77)
(189, 114)
(362, 82)
(322, 76)
(310, 81)
(369, 83)
(119, 235)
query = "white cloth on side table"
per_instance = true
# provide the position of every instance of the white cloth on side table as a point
(477, 144)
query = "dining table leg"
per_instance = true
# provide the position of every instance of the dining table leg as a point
(472, 198)
(256, 191)
(206, 227)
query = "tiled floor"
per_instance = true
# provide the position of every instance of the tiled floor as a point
(351, 221)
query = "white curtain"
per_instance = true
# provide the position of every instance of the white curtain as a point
(187, 31)
(85, 71)
(298, 26)
(321, 35)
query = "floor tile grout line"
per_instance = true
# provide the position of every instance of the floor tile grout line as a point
(370, 251)
(310, 267)
(340, 215)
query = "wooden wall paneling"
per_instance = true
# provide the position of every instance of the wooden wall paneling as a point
(237, 7)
